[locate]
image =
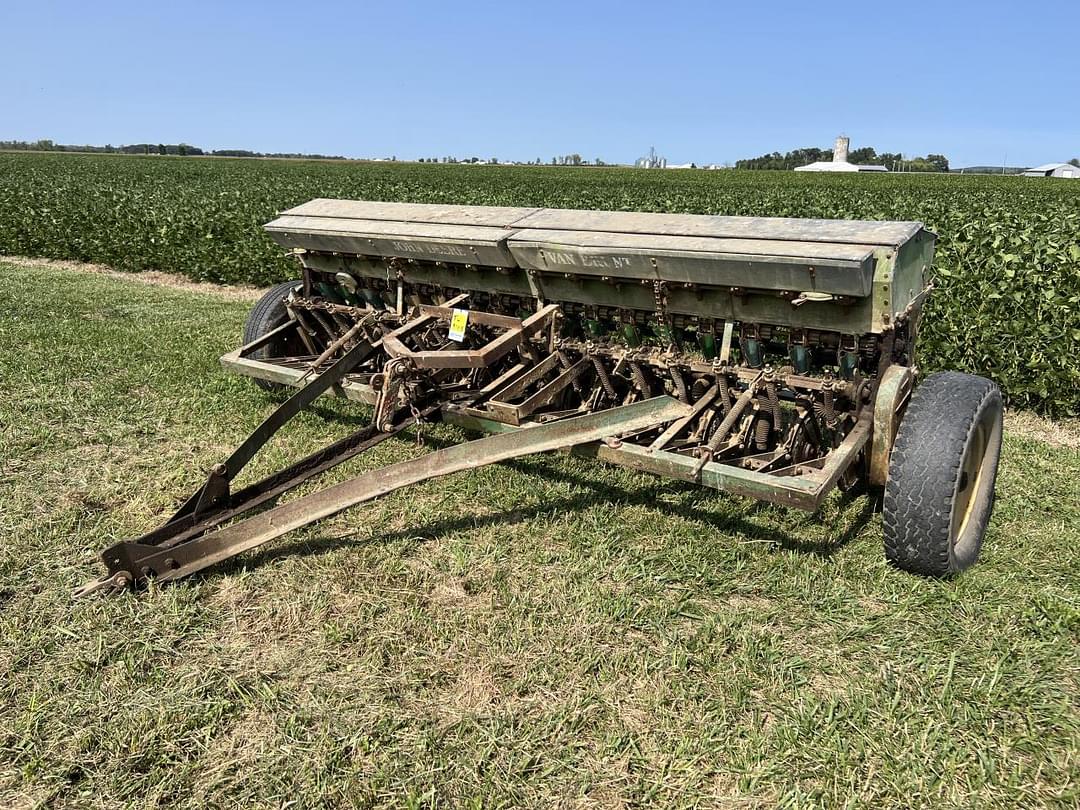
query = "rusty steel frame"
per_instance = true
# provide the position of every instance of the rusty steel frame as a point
(516, 332)
(165, 555)
(216, 489)
(804, 490)
(803, 486)
(893, 391)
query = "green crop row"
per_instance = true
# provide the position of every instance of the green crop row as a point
(1007, 268)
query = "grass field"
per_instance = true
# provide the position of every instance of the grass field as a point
(547, 632)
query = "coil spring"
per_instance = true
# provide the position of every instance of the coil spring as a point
(565, 362)
(725, 393)
(680, 386)
(762, 429)
(774, 403)
(723, 430)
(642, 384)
(605, 380)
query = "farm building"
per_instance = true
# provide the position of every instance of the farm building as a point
(1054, 170)
(839, 162)
(651, 160)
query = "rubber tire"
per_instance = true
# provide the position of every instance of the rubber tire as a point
(941, 422)
(268, 314)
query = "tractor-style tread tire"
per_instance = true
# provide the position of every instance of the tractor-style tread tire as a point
(268, 314)
(926, 472)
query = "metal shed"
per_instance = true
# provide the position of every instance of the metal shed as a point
(1054, 170)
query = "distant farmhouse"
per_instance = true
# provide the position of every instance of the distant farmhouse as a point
(1054, 170)
(839, 162)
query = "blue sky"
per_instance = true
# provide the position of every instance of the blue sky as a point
(704, 82)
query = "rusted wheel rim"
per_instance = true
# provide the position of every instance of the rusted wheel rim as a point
(975, 482)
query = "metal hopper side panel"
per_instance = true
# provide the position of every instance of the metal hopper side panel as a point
(459, 244)
(846, 270)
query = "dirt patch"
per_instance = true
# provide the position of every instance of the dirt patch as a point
(473, 693)
(1027, 425)
(449, 593)
(24, 801)
(155, 278)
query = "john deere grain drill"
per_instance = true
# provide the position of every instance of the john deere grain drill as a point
(770, 358)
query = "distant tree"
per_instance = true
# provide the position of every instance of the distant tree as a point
(1075, 162)
(789, 160)
(494, 160)
(863, 157)
(939, 162)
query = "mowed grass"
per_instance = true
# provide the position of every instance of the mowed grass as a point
(550, 632)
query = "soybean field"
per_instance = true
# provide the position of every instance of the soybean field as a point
(1007, 271)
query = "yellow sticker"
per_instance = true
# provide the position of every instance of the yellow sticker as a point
(458, 321)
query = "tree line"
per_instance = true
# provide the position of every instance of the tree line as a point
(865, 156)
(178, 149)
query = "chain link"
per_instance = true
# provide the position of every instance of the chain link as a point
(419, 425)
(660, 307)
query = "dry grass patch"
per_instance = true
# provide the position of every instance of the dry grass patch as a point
(1056, 433)
(157, 278)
